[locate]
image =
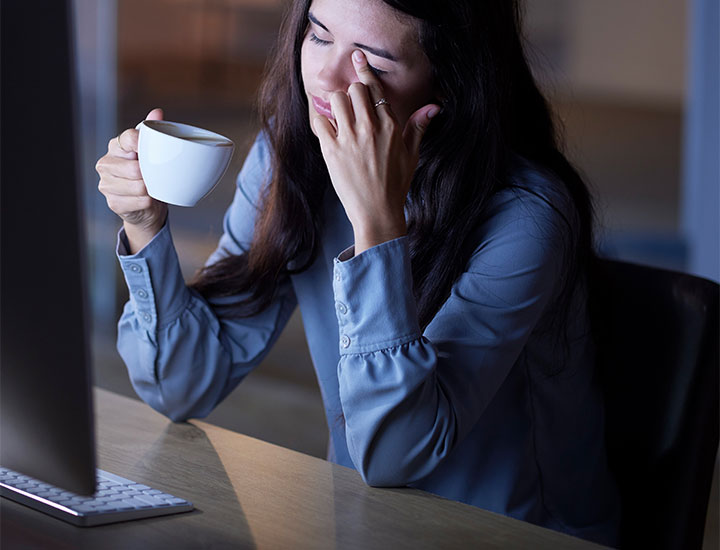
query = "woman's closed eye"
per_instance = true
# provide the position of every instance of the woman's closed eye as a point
(314, 38)
(377, 72)
(320, 42)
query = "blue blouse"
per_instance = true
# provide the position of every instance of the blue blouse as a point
(487, 405)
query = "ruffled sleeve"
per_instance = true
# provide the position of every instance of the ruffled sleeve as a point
(409, 398)
(183, 357)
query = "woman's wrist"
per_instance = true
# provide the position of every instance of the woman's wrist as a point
(139, 235)
(368, 236)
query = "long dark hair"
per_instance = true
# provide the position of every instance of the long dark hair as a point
(493, 113)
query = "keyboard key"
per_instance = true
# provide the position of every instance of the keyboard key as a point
(152, 501)
(85, 508)
(107, 508)
(135, 503)
(175, 500)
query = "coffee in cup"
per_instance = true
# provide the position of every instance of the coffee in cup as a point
(180, 164)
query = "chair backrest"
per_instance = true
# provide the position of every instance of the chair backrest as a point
(658, 358)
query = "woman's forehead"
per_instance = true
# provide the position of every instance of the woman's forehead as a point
(369, 20)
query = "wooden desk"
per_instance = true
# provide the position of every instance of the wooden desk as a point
(251, 494)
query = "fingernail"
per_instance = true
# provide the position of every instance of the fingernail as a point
(357, 56)
(433, 111)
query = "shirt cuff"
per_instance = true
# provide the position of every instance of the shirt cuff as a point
(154, 279)
(374, 299)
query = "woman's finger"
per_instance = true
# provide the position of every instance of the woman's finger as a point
(416, 126)
(117, 166)
(112, 185)
(125, 145)
(116, 150)
(376, 91)
(362, 105)
(367, 76)
(342, 110)
(324, 129)
(155, 114)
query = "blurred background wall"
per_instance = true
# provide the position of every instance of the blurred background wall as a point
(634, 85)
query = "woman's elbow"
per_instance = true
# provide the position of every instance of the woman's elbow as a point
(155, 400)
(380, 469)
(382, 462)
(376, 474)
(175, 409)
(178, 416)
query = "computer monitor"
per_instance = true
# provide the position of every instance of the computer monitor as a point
(46, 407)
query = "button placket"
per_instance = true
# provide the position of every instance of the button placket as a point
(139, 285)
(341, 305)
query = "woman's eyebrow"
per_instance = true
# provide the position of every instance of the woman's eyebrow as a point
(375, 51)
(315, 20)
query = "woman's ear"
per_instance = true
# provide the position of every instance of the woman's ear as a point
(442, 101)
(439, 98)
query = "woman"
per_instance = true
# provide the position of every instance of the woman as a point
(407, 192)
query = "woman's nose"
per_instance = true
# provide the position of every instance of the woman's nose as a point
(337, 73)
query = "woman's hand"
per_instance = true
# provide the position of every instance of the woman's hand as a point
(124, 189)
(371, 160)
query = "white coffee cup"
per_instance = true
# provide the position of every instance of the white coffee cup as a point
(180, 163)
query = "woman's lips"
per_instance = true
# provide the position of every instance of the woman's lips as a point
(322, 107)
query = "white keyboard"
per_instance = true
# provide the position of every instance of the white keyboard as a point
(116, 499)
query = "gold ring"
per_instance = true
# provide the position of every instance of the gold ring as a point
(381, 101)
(118, 142)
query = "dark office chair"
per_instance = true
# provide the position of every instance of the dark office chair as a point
(658, 346)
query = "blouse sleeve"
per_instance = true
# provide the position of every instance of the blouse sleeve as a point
(409, 398)
(182, 356)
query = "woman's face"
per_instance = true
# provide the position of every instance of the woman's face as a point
(390, 41)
